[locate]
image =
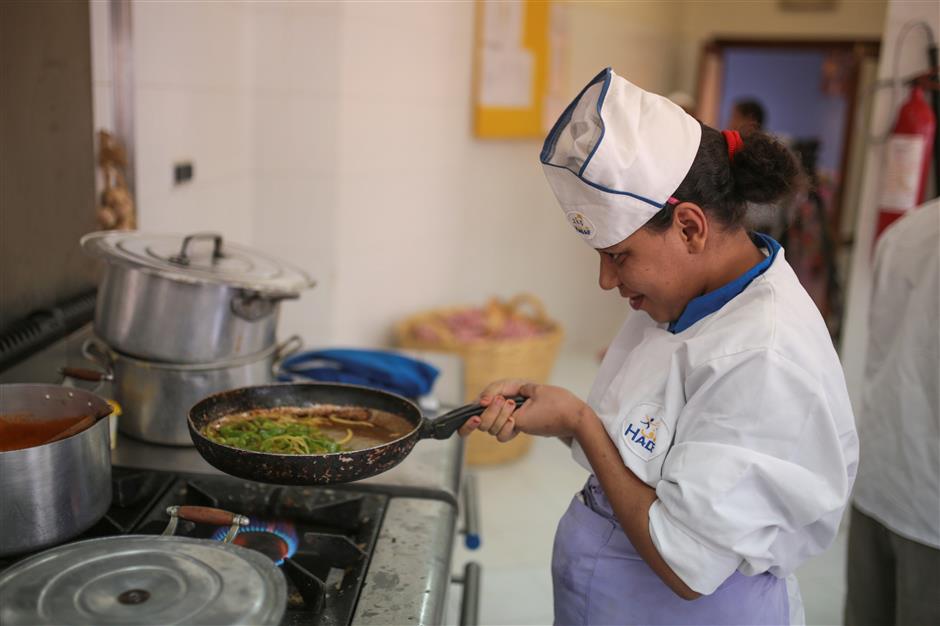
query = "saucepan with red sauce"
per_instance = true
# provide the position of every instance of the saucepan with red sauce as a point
(55, 464)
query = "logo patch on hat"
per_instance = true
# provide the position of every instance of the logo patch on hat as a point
(644, 432)
(582, 224)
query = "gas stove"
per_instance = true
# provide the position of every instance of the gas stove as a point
(376, 551)
(350, 556)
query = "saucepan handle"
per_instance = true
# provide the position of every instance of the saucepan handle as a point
(205, 515)
(446, 425)
(81, 373)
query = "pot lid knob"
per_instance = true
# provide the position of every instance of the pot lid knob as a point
(183, 257)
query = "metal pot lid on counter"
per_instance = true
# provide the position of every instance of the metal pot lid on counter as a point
(198, 258)
(137, 579)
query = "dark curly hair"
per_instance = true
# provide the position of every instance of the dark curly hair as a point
(763, 171)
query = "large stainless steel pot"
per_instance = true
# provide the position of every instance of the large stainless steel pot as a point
(156, 397)
(192, 299)
(55, 491)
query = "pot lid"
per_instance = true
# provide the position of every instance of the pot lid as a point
(143, 579)
(199, 257)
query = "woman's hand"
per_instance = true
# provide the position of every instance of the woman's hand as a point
(496, 419)
(549, 411)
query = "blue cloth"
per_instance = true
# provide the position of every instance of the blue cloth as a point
(383, 370)
(708, 303)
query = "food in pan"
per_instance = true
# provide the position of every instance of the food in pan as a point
(319, 429)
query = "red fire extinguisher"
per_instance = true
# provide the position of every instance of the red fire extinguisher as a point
(908, 152)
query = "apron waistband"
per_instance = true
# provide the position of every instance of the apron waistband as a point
(596, 503)
(596, 500)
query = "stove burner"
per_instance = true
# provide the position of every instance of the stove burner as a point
(134, 596)
(268, 544)
(276, 540)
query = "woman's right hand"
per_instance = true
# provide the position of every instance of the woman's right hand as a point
(496, 419)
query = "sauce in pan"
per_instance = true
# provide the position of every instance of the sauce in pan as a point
(320, 429)
(21, 431)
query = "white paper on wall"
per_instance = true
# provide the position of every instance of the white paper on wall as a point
(502, 24)
(556, 98)
(506, 79)
(507, 67)
(903, 157)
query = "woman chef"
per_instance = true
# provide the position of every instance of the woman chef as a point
(718, 431)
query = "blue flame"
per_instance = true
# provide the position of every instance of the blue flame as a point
(283, 530)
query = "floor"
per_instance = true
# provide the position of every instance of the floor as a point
(521, 503)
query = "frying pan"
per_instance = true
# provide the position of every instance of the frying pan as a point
(317, 469)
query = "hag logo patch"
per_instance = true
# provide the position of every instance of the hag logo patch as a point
(644, 432)
(581, 223)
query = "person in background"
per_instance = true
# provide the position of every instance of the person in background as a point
(747, 116)
(894, 532)
(718, 432)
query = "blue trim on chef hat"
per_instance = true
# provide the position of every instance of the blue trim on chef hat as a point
(548, 148)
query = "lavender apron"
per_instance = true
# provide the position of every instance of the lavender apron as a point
(598, 578)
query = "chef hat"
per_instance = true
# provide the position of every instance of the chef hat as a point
(615, 156)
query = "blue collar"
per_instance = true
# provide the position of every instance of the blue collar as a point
(706, 304)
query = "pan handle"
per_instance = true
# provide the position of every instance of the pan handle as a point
(446, 425)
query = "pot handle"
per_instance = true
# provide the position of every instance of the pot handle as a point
(446, 425)
(81, 373)
(96, 352)
(205, 515)
(93, 351)
(286, 349)
(183, 257)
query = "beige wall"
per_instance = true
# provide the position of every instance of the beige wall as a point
(636, 38)
(702, 20)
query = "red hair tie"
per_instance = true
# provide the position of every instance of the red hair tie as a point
(734, 141)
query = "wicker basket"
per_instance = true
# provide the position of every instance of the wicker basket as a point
(486, 360)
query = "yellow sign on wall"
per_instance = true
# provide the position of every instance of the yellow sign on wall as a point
(517, 67)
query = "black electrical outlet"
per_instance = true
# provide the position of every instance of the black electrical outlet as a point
(183, 172)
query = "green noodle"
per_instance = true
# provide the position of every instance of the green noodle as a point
(279, 434)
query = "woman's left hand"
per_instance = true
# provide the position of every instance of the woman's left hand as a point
(549, 411)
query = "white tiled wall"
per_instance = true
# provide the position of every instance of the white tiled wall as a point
(247, 93)
(192, 86)
(430, 215)
(295, 86)
(337, 136)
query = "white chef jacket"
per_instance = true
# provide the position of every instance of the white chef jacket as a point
(742, 424)
(899, 420)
